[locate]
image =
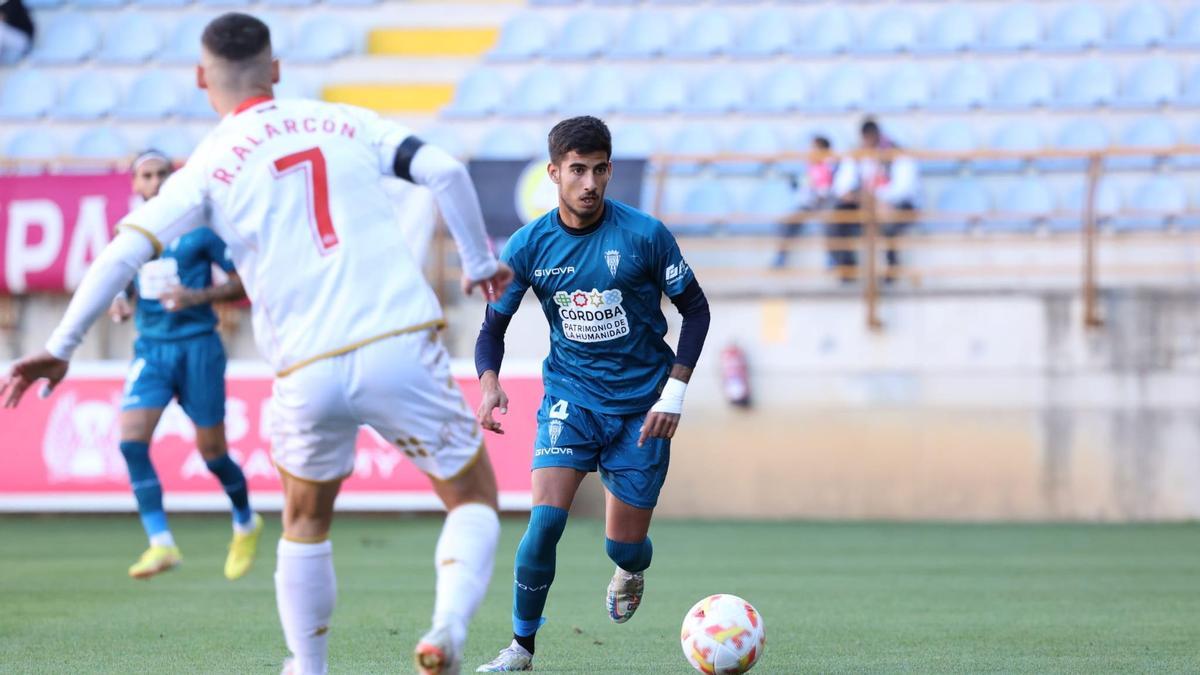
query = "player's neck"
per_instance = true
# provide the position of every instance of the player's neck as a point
(226, 103)
(574, 222)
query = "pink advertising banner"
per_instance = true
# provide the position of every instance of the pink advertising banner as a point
(52, 227)
(61, 454)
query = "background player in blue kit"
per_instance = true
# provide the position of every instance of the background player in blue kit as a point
(614, 389)
(178, 354)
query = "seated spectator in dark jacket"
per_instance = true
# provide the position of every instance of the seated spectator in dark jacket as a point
(894, 181)
(16, 31)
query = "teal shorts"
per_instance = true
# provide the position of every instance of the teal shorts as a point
(578, 438)
(189, 369)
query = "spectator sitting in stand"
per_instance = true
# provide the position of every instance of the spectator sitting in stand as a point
(815, 194)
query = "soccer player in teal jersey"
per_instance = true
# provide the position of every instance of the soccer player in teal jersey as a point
(178, 354)
(614, 389)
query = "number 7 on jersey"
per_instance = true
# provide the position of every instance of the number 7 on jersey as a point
(312, 163)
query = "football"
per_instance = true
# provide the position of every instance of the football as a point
(723, 635)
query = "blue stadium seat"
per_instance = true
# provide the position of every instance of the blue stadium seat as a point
(1187, 30)
(281, 34)
(183, 47)
(33, 143)
(602, 90)
(1091, 84)
(97, 4)
(1153, 83)
(662, 91)
(904, 87)
(965, 86)
(541, 91)
(289, 3)
(705, 205)
(321, 39)
(1154, 202)
(769, 33)
(781, 90)
(352, 3)
(27, 95)
(480, 93)
(585, 36)
(1081, 134)
(1143, 23)
(843, 88)
(708, 34)
(718, 92)
(1025, 204)
(196, 106)
(1147, 132)
(162, 4)
(1071, 209)
(130, 38)
(524, 36)
(1191, 90)
(951, 136)
(953, 29)
(68, 38)
(1075, 28)
(101, 143)
(293, 84)
(551, 3)
(508, 143)
(44, 4)
(89, 96)
(1025, 85)
(172, 141)
(693, 139)
(225, 3)
(1017, 136)
(892, 30)
(634, 141)
(446, 138)
(647, 33)
(770, 202)
(153, 96)
(758, 139)
(959, 205)
(1015, 27)
(1191, 161)
(831, 31)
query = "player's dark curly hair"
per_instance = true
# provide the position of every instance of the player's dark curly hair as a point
(236, 37)
(584, 134)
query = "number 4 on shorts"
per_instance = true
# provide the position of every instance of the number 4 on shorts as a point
(558, 411)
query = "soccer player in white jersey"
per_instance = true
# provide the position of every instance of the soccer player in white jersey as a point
(339, 309)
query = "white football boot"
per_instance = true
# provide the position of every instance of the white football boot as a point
(512, 659)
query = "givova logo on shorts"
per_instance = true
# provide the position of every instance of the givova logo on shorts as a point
(592, 316)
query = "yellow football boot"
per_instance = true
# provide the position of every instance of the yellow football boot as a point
(242, 550)
(156, 559)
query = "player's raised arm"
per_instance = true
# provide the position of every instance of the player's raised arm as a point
(140, 237)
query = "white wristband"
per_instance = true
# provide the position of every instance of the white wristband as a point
(671, 399)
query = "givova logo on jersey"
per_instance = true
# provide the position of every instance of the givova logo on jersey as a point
(592, 316)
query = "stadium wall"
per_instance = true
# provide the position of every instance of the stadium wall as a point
(967, 406)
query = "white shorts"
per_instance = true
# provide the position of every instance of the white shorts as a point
(400, 386)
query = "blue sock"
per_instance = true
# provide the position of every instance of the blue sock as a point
(535, 567)
(234, 481)
(630, 557)
(146, 488)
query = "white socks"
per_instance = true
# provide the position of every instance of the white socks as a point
(162, 539)
(465, 556)
(305, 591)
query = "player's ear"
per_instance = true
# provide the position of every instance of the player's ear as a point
(274, 71)
(552, 169)
(201, 80)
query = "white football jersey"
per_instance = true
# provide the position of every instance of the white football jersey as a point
(294, 187)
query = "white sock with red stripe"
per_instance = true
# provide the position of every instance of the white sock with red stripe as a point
(465, 556)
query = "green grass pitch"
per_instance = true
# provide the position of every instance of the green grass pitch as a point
(865, 597)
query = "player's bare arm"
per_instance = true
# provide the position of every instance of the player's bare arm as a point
(492, 287)
(493, 398)
(179, 298)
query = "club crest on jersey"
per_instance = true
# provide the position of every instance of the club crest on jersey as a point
(592, 316)
(613, 258)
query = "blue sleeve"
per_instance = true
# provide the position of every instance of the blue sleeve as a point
(693, 305)
(512, 256)
(489, 346)
(673, 273)
(218, 252)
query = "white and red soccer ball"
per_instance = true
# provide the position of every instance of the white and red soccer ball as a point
(723, 635)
